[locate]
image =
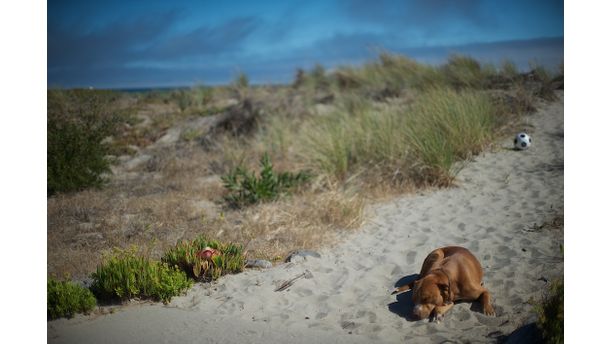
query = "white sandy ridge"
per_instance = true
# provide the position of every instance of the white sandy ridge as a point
(492, 212)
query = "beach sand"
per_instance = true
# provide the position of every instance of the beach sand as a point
(501, 200)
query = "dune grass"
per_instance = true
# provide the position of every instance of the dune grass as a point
(447, 126)
(418, 144)
(461, 72)
(387, 77)
(351, 137)
(392, 74)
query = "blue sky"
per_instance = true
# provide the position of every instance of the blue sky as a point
(122, 44)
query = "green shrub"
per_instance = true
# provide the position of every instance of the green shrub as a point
(185, 256)
(125, 275)
(550, 314)
(77, 122)
(246, 188)
(65, 299)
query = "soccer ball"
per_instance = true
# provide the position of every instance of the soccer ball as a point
(522, 141)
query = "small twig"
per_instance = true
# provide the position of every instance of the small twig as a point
(290, 282)
(534, 228)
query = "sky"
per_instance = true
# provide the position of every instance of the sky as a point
(133, 43)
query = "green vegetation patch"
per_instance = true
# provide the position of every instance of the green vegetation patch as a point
(191, 257)
(550, 313)
(65, 299)
(246, 188)
(125, 275)
(77, 123)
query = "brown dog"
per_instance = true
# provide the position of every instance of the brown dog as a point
(448, 274)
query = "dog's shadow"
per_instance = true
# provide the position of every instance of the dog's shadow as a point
(404, 305)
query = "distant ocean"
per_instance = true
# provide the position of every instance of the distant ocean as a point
(149, 89)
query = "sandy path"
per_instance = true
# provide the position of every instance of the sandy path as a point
(500, 197)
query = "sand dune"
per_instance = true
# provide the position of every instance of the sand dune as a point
(501, 199)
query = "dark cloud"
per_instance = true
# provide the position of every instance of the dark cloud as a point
(148, 39)
(346, 46)
(81, 47)
(204, 40)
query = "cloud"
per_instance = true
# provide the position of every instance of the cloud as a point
(77, 47)
(205, 40)
(145, 40)
(343, 46)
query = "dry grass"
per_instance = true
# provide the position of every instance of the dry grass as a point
(178, 195)
(311, 220)
(83, 225)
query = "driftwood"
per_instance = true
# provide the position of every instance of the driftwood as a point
(238, 120)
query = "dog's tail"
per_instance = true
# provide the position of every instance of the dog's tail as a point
(402, 289)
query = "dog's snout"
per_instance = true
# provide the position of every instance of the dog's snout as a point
(420, 312)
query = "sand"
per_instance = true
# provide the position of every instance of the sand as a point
(496, 211)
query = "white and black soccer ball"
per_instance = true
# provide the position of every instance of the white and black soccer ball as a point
(522, 141)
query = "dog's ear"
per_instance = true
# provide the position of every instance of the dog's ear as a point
(445, 292)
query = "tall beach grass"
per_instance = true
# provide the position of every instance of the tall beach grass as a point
(418, 144)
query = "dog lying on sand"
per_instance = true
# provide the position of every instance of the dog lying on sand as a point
(448, 274)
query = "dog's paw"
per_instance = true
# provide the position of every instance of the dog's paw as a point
(488, 310)
(438, 317)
